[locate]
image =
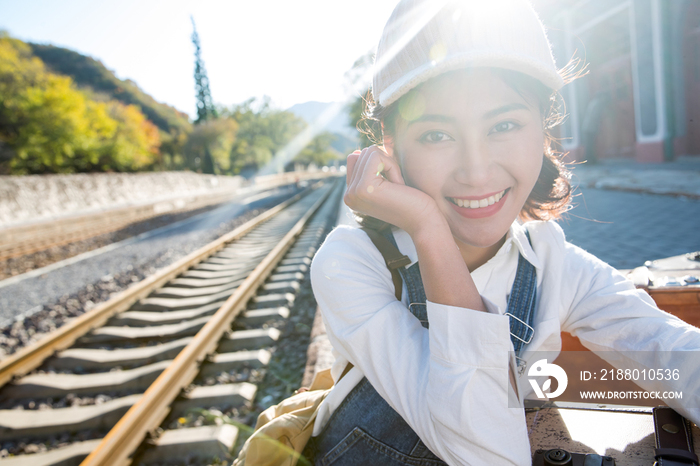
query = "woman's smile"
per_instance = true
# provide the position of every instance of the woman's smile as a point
(476, 202)
(479, 207)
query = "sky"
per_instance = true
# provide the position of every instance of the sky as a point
(293, 51)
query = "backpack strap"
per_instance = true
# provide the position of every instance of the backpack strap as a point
(674, 439)
(392, 257)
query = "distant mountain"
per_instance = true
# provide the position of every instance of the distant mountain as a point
(88, 72)
(338, 123)
(346, 139)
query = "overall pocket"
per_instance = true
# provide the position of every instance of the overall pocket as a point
(358, 447)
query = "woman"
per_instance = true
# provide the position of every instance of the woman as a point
(469, 186)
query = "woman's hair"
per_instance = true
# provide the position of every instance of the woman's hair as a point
(552, 193)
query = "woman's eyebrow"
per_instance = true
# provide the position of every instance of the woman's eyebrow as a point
(435, 118)
(504, 109)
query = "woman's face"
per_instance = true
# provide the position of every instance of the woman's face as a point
(475, 145)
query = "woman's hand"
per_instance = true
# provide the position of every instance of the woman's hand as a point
(376, 187)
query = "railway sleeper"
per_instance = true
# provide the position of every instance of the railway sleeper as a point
(240, 252)
(162, 316)
(234, 259)
(194, 443)
(185, 303)
(202, 282)
(231, 267)
(300, 267)
(16, 424)
(301, 252)
(227, 362)
(149, 304)
(256, 317)
(271, 300)
(208, 275)
(201, 274)
(112, 334)
(280, 287)
(148, 318)
(70, 455)
(178, 292)
(248, 339)
(281, 277)
(296, 261)
(60, 385)
(103, 359)
(221, 396)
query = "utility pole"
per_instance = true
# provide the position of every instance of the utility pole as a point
(205, 106)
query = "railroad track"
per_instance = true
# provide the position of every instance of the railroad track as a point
(157, 350)
(21, 240)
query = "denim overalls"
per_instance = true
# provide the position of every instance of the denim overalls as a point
(365, 430)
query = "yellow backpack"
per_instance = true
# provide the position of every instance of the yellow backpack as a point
(283, 430)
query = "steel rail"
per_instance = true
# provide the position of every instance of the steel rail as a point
(31, 357)
(148, 413)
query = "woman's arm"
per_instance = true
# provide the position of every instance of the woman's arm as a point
(625, 327)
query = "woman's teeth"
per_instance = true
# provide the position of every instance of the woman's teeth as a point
(476, 204)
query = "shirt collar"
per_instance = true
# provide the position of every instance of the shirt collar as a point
(516, 236)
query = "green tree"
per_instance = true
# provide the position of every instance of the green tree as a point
(262, 132)
(318, 152)
(209, 145)
(205, 105)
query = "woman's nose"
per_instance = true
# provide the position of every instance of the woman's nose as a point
(474, 166)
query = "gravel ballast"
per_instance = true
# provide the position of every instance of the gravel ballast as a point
(36, 305)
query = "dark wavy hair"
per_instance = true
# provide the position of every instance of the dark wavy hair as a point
(551, 196)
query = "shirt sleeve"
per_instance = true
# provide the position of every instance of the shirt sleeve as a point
(449, 383)
(624, 326)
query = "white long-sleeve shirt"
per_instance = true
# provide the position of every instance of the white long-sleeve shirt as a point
(450, 383)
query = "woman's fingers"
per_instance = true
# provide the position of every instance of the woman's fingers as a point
(377, 188)
(374, 178)
(391, 170)
(359, 175)
(352, 160)
(367, 171)
(382, 165)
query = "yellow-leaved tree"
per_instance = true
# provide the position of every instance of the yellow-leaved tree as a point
(47, 125)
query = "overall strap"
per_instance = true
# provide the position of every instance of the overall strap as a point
(521, 301)
(392, 257)
(414, 286)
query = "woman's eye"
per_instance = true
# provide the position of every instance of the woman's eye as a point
(435, 136)
(504, 127)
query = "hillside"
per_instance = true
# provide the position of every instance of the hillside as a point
(345, 136)
(88, 72)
